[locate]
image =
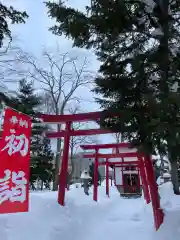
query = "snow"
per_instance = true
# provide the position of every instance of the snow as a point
(157, 32)
(153, 78)
(142, 20)
(85, 175)
(170, 203)
(160, 180)
(175, 86)
(82, 219)
(174, 50)
(149, 5)
(165, 163)
(166, 193)
(166, 175)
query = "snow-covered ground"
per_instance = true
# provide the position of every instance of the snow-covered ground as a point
(83, 219)
(170, 203)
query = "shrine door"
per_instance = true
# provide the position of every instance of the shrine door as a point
(131, 183)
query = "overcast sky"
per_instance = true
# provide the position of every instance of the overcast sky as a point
(34, 35)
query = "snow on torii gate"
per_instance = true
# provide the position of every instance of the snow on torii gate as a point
(68, 132)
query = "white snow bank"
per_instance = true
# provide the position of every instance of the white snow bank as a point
(47, 220)
(150, 4)
(170, 203)
(84, 219)
(85, 175)
(160, 180)
(166, 175)
(157, 32)
(167, 194)
(103, 184)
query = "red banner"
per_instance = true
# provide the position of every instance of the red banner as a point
(15, 162)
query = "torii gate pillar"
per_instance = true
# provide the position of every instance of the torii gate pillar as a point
(64, 166)
(95, 192)
(107, 178)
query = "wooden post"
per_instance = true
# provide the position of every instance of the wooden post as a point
(122, 171)
(64, 166)
(158, 213)
(144, 180)
(95, 193)
(107, 178)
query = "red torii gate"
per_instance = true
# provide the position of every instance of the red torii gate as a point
(96, 155)
(146, 172)
(68, 132)
(107, 163)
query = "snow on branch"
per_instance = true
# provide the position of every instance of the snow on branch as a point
(157, 32)
(150, 4)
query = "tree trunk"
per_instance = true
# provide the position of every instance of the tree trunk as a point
(174, 176)
(33, 187)
(42, 183)
(72, 165)
(57, 162)
(162, 167)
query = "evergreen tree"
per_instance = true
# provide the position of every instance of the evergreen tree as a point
(9, 15)
(41, 155)
(138, 43)
(91, 174)
(45, 165)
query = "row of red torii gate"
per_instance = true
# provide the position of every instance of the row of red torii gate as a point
(124, 158)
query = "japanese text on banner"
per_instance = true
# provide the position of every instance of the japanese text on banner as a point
(15, 162)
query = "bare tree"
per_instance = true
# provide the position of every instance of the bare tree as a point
(9, 73)
(61, 76)
(76, 141)
(118, 137)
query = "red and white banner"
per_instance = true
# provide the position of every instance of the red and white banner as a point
(15, 162)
